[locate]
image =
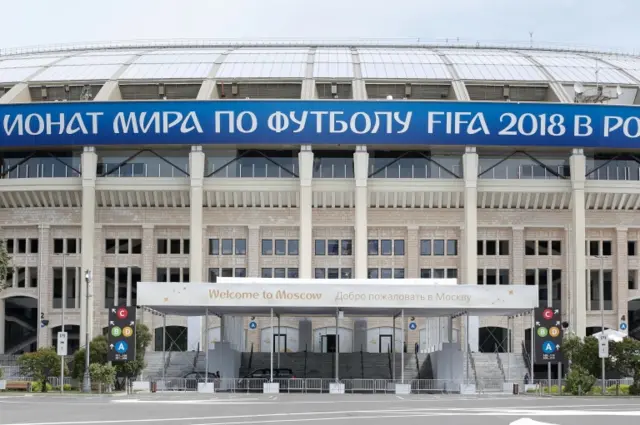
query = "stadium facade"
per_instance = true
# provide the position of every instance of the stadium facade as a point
(173, 163)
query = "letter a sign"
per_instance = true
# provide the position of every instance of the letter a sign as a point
(122, 340)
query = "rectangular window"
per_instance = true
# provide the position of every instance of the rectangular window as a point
(346, 247)
(594, 248)
(530, 277)
(346, 273)
(480, 247)
(608, 289)
(556, 288)
(452, 273)
(292, 273)
(162, 246)
(321, 248)
(439, 273)
(58, 247)
(333, 247)
(503, 247)
(162, 274)
(136, 246)
(241, 247)
(267, 273)
(425, 273)
(136, 277)
(491, 277)
(543, 247)
(174, 274)
(503, 277)
(110, 246)
(490, 248)
(267, 247)
(21, 277)
(543, 287)
(279, 272)
(386, 273)
(631, 248)
(438, 247)
(226, 272)
(319, 273)
(606, 248)
(386, 247)
(123, 246)
(9, 245)
(213, 275)
(110, 287)
(33, 246)
(529, 247)
(398, 273)
(452, 247)
(425, 247)
(372, 247)
(633, 280)
(22, 246)
(186, 246)
(333, 273)
(175, 246)
(281, 247)
(372, 273)
(398, 247)
(186, 277)
(72, 246)
(214, 246)
(556, 247)
(33, 277)
(227, 247)
(293, 247)
(58, 292)
(123, 277)
(480, 277)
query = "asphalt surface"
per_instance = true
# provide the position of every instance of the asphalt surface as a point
(232, 409)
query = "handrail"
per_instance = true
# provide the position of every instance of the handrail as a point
(390, 367)
(361, 362)
(525, 356)
(417, 363)
(250, 357)
(472, 362)
(500, 365)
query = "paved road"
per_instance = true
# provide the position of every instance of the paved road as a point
(225, 409)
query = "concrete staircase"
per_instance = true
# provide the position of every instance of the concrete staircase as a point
(514, 366)
(489, 376)
(178, 364)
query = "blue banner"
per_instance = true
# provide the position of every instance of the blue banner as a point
(319, 122)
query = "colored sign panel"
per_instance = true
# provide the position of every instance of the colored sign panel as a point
(319, 122)
(121, 333)
(623, 326)
(253, 325)
(413, 326)
(548, 336)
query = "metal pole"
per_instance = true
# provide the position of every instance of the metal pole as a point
(466, 337)
(508, 349)
(549, 376)
(601, 296)
(86, 379)
(532, 349)
(337, 346)
(402, 348)
(278, 341)
(64, 302)
(164, 348)
(393, 350)
(272, 348)
(206, 346)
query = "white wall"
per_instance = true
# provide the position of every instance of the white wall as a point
(214, 336)
(344, 334)
(373, 339)
(293, 339)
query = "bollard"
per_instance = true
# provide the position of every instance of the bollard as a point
(515, 389)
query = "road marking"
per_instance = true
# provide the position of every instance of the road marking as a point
(399, 398)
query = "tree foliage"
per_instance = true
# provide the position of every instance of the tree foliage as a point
(40, 365)
(97, 354)
(102, 374)
(5, 265)
(579, 381)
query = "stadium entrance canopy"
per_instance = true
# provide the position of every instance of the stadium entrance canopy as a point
(330, 297)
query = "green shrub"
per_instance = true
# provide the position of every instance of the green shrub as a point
(36, 387)
(579, 381)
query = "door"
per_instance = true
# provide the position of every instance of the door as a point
(280, 343)
(329, 343)
(386, 343)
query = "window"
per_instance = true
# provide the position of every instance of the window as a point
(398, 273)
(58, 247)
(372, 247)
(491, 248)
(33, 277)
(333, 248)
(21, 277)
(530, 247)
(72, 246)
(425, 247)
(543, 247)
(136, 246)
(606, 248)
(214, 247)
(597, 278)
(633, 280)
(22, 246)
(556, 247)
(346, 273)
(438, 247)
(279, 272)
(161, 275)
(372, 273)
(503, 277)
(213, 275)
(123, 246)
(241, 247)
(543, 287)
(386, 273)
(267, 247)
(110, 246)
(65, 285)
(227, 247)
(452, 247)
(33, 246)
(281, 247)
(346, 247)
(556, 288)
(175, 246)
(240, 272)
(493, 277)
(480, 247)
(293, 247)
(398, 247)
(109, 287)
(319, 273)
(598, 248)
(386, 247)
(173, 274)
(594, 248)
(320, 248)
(292, 273)
(162, 246)
(631, 248)
(329, 273)
(333, 273)
(503, 247)
(438, 273)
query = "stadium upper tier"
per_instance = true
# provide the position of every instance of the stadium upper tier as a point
(434, 71)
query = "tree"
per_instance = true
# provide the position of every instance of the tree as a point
(103, 374)
(5, 265)
(41, 364)
(584, 353)
(97, 354)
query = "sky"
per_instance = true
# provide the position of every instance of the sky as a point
(610, 25)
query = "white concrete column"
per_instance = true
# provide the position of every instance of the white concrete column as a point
(2, 325)
(110, 91)
(196, 172)
(305, 162)
(517, 255)
(254, 251)
(470, 234)
(412, 252)
(361, 173)
(577, 292)
(18, 94)
(89, 161)
(621, 280)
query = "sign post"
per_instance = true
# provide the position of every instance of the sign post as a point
(548, 336)
(62, 352)
(603, 347)
(122, 330)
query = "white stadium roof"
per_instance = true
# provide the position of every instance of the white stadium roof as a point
(221, 61)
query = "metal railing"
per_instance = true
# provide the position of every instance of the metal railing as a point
(500, 365)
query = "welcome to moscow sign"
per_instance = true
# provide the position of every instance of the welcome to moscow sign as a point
(320, 122)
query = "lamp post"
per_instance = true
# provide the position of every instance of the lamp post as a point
(86, 379)
(601, 299)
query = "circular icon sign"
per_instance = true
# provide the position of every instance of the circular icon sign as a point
(413, 326)
(127, 331)
(116, 331)
(548, 347)
(623, 326)
(547, 314)
(253, 325)
(554, 332)
(121, 347)
(122, 313)
(542, 332)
